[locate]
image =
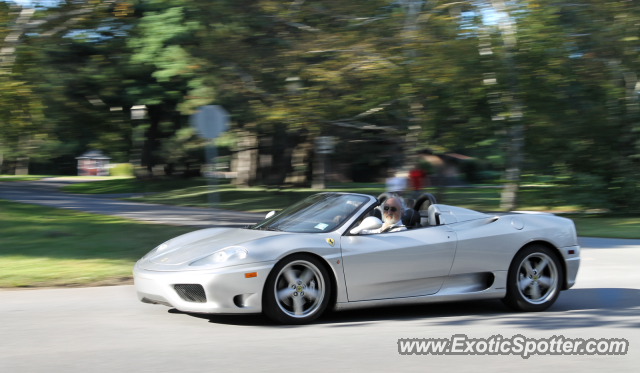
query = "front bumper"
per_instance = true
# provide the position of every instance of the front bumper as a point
(571, 255)
(220, 285)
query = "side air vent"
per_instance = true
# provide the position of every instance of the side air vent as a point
(191, 292)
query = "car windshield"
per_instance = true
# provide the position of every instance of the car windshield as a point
(318, 213)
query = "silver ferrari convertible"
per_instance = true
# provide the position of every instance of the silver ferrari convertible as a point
(310, 256)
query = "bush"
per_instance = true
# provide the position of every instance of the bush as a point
(121, 169)
(623, 193)
(477, 171)
(427, 167)
(584, 191)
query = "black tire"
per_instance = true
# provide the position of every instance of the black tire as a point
(312, 290)
(533, 286)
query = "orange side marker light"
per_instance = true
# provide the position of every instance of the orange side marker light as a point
(251, 274)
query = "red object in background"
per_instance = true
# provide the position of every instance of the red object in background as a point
(416, 176)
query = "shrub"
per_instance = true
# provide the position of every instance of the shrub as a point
(121, 169)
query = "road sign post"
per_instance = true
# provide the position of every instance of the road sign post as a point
(324, 145)
(209, 122)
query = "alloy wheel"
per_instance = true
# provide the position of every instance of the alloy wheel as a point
(299, 289)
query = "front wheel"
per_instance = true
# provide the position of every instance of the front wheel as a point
(297, 291)
(534, 280)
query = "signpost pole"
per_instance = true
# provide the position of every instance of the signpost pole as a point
(211, 152)
(324, 145)
(209, 122)
(318, 172)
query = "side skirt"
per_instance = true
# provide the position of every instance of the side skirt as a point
(451, 291)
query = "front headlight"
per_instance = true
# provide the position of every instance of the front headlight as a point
(228, 254)
(157, 249)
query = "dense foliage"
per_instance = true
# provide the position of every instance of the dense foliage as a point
(541, 87)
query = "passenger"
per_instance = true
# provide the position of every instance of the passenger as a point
(392, 211)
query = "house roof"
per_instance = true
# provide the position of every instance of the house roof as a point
(93, 154)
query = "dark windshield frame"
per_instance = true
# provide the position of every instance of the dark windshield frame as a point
(265, 224)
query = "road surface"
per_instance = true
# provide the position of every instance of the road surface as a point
(45, 192)
(106, 329)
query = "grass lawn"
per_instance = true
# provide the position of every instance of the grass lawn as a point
(259, 199)
(194, 191)
(117, 185)
(608, 226)
(4, 178)
(243, 199)
(43, 246)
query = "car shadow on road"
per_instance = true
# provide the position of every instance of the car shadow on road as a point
(576, 308)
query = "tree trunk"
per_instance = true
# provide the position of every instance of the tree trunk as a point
(318, 171)
(155, 113)
(22, 161)
(246, 162)
(509, 197)
(515, 132)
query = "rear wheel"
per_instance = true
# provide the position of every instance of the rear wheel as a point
(297, 291)
(534, 280)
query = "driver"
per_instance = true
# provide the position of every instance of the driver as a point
(392, 211)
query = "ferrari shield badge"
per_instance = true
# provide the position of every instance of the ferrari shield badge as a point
(330, 241)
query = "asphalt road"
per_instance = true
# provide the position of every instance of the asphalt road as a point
(107, 330)
(45, 192)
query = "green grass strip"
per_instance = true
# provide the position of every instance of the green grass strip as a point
(43, 246)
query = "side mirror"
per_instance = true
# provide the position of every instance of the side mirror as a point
(368, 223)
(270, 214)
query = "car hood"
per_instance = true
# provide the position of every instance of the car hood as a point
(185, 249)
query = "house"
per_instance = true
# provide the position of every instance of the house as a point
(446, 166)
(93, 163)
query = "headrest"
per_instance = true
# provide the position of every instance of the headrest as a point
(424, 201)
(376, 212)
(434, 219)
(385, 196)
(410, 218)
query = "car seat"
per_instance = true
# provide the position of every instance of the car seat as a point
(411, 218)
(422, 207)
(375, 212)
(434, 216)
(385, 196)
(424, 201)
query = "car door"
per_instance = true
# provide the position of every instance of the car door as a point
(400, 264)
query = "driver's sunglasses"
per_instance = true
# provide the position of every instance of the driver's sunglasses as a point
(393, 209)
